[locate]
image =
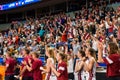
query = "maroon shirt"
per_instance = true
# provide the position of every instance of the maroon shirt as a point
(12, 63)
(36, 69)
(113, 65)
(27, 73)
(62, 69)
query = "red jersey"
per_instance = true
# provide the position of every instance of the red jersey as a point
(12, 63)
(62, 69)
(27, 73)
(113, 65)
(36, 69)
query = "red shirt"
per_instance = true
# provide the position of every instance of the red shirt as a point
(111, 28)
(12, 63)
(64, 37)
(86, 36)
(27, 73)
(113, 65)
(36, 69)
(62, 69)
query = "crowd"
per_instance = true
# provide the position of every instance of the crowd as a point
(72, 46)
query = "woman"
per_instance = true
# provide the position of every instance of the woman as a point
(61, 71)
(10, 65)
(34, 67)
(79, 65)
(70, 67)
(90, 64)
(51, 60)
(112, 61)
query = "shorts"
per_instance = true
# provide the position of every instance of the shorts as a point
(71, 76)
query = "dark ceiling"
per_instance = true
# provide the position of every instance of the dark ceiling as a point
(6, 1)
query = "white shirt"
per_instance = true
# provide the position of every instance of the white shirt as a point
(70, 66)
(94, 46)
(106, 25)
(1, 39)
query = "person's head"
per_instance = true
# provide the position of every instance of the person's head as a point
(35, 55)
(90, 52)
(50, 53)
(112, 48)
(69, 56)
(60, 56)
(25, 52)
(81, 54)
(7, 55)
(75, 41)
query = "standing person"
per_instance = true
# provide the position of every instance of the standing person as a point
(61, 72)
(1, 39)
(112, 61)
(35, 66)
(70, 66)
(79, 67)
(51, 60)
(90, 64)
(10, 64)
(26, 75)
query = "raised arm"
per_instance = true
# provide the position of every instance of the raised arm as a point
(100, 54)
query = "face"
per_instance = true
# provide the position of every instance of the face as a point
(79, 55)
(68, 57)
(87, 52)
(23, 52)
(47, 54)
(33, 56)
(58, 57)
(6, 55)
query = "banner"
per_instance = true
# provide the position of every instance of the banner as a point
(17, 4)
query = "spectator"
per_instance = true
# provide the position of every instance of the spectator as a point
(112, 61)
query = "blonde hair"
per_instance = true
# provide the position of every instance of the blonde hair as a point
(63, 57)
(51, 53)
(92, 53)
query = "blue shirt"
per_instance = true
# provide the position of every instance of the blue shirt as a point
(41, 32)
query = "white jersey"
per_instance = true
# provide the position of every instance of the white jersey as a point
(70, 66)
(91, 74)
(82, 74)
(52, 76)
